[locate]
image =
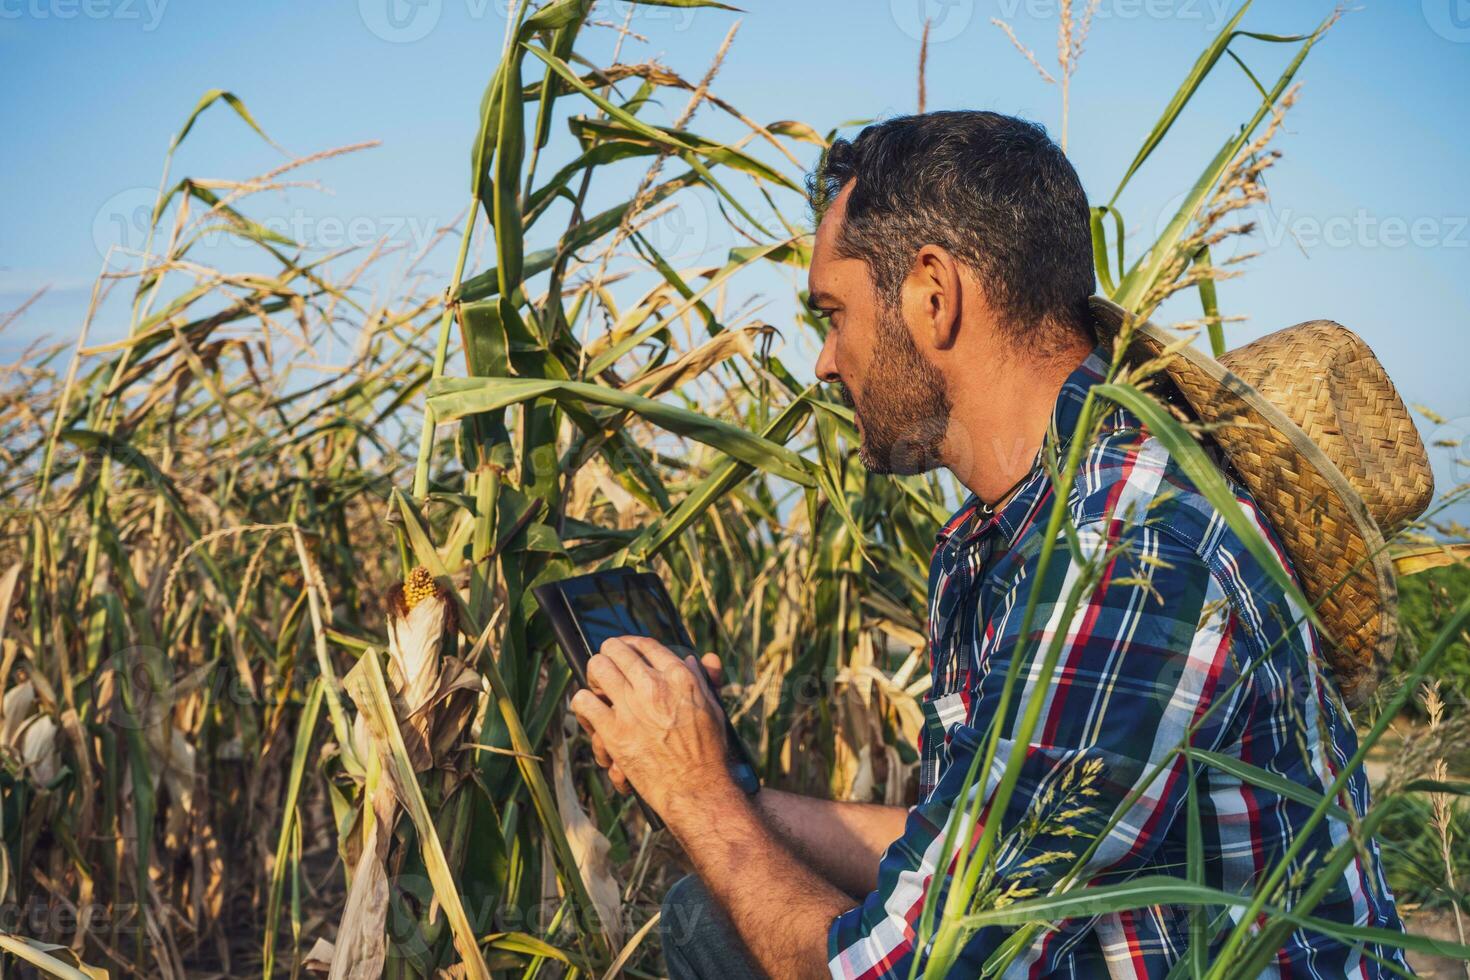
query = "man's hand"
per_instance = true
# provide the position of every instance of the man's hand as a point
(653, 724)
(712, 668)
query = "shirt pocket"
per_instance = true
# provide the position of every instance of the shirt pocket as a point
(941, 714)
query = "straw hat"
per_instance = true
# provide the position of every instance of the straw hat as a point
(1314, 428)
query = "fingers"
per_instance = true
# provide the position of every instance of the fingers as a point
(619, 781)
(708, 689)
(590, 704)
(713, 669)
(586, 705)
(590, 710)
(605, 674)
(635, 669)
(599, 752)
(657, 656)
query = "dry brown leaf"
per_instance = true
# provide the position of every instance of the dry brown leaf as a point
(361, 947)
(590, 850)
(318, 959)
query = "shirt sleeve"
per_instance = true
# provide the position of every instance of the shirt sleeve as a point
(1145, 655)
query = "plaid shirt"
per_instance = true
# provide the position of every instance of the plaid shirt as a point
(1183, 620)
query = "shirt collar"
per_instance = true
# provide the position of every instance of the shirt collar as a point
(971, 516)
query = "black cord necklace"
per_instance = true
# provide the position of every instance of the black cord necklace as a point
(988, 510)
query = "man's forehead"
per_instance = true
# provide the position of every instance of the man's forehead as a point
(831, 223)
(825, 243)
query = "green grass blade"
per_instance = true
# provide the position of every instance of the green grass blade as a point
(306, 728)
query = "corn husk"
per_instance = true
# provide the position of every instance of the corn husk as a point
(415, 636)
(30, 735)
(38, 748)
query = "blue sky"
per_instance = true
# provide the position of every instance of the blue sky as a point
(1370, 201)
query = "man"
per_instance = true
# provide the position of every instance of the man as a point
(953, 264)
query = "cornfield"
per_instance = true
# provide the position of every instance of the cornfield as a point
(278, 699)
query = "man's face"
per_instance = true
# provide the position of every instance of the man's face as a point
(898, 397)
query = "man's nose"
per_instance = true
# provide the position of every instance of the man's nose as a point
(827, 362)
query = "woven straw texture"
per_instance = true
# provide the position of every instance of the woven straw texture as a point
(1315, 430)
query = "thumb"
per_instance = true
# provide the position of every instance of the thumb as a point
(713, 669)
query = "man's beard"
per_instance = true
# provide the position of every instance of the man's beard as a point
(905, 409)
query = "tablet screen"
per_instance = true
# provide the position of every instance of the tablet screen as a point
(623, 602)
(624, 605)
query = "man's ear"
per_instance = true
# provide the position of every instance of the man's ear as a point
(934, 297)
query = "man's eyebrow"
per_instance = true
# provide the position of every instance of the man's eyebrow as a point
(819, 300)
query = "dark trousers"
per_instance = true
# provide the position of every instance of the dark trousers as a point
(699, 941)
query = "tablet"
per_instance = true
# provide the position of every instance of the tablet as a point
(588, 609)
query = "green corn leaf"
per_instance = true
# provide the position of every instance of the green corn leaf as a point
(711, 150)
(1210, 303)
(656, 536)
(1203, 65)
(607, 358)
(626, 118)
(1100, 248)
(457, 398)
(1208, 478)
(1257, 776)
(487, 284)
(509, 155)
(1198, 951)
(229, 98)
(1149, 890)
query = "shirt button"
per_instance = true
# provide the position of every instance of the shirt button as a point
(949, 558)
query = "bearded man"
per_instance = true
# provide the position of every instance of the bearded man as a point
(953, 266)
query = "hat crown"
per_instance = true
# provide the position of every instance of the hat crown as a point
(1314, 430)
(1326, 379)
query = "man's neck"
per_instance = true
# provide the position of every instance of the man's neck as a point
(997, 427)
